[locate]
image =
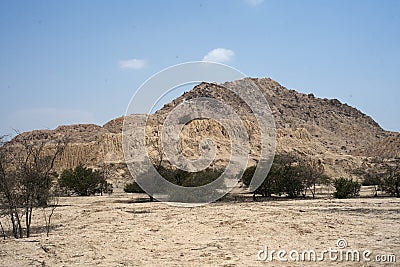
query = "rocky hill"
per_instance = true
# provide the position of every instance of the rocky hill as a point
(337, 134)
(337, 126)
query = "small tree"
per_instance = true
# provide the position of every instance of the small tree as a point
(313, 174)
(391, 184)
(293, 182)
(346, 188)
(372, 171)
(391, 180)
(84, 181)
(9, 196)
(105, 171)
(286, 176)
(26, 174)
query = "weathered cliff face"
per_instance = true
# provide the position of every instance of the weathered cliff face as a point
(106, 148)
(335, 133)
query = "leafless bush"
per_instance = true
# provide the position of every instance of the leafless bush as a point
(26, 175)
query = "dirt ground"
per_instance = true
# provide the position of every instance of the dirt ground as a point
(120, 230)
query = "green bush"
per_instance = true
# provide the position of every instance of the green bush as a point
(189, 179)
(84, 181)
(391, 184)
(201, 178)
(370, 180)
(267, 188)
(248, 175)
(292, 183)
(346, 188)
(133, 188)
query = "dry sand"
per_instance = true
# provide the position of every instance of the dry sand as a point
(113, 231)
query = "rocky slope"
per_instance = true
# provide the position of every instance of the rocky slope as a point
(337, 126)
(337, 134)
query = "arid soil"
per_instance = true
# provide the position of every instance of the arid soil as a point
(122, 230)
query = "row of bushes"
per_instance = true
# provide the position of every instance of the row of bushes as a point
(344, 188)
(294, 175)
(291, 175)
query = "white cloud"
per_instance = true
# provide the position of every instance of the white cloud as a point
(254, 2)
(219, 55)
(132, 64)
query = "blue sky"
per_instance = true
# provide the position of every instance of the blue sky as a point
(64, 62)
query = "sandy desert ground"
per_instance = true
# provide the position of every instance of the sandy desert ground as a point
(119, 230)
